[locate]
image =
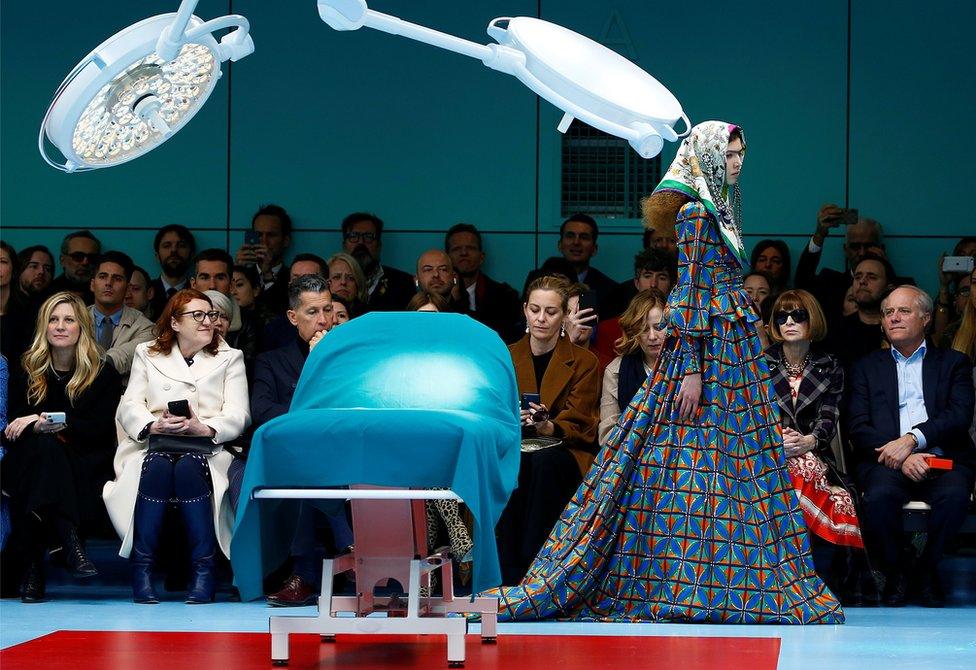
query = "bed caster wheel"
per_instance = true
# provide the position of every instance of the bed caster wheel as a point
(328, 638)
(279, 663)
(488, 640)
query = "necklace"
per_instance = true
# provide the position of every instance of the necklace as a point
(60, 376)
(795, 370)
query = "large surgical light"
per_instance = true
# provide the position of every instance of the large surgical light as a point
(137, 88)
(140, 86)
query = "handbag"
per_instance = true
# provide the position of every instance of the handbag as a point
(180, 444)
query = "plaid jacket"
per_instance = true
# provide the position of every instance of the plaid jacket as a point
(818, 400)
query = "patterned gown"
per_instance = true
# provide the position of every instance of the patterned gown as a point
(687, 520)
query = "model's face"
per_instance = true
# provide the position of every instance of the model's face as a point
(342, 281)
(242, 290)
(770, 261)
(362, 242)
(193, 335)
(314, 314)
(652, 339)
(38, 273)
(212, 276)
(109, 286)
(301, 268)
(870, 281)
(658, 279)
(757, 287)
(903, 322)
(268, 227)
(435, 274)
(79, 262)
(63, 329)
(466, 255)
(734, 156)
(577, 243)
(173, 254)
(139, 292)
(544, 314)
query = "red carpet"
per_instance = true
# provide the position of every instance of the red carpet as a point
(84, 650)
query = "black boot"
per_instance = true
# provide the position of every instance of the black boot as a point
(32, 588)
(147, 526)
(198, 516)
(75, 557)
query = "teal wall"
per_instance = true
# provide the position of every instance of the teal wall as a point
(326, 122)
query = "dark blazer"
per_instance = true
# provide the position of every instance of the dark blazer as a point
(159, 299)
(606, 292)
(393, 292)
(828, 286)
(276, 374)
(497, 305)
(818, 400)
(947, 388)
(571, 391)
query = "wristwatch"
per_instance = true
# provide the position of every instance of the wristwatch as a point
(914, 439)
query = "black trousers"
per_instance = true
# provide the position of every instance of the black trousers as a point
(547, 481)
(886, 490)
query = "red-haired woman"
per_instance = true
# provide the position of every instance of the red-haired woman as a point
(188, 360)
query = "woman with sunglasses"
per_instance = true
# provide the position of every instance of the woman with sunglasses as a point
(808, 385)
(189, 361)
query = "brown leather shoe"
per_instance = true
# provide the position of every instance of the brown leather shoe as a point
(295, 593)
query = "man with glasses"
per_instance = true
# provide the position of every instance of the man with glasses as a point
(79, 253)
(118, 329)
(387, 288)
(578, 245)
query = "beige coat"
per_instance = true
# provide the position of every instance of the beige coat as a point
(133, 329)
(216, 388)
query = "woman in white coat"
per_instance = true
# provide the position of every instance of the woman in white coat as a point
(187, 360)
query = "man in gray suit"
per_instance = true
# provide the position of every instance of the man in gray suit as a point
(118, 329)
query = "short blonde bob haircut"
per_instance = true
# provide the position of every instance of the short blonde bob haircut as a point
(633, 322)
(798, 299)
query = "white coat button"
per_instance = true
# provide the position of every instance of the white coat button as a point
(193, 388)
(166, 387)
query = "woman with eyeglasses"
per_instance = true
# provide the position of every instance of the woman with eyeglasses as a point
(60, 441)
(808, 385)
(189, 361)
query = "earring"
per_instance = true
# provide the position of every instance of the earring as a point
(562, 331)
(526, 329)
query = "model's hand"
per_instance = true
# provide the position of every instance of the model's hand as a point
(894, 453)
(916, 467)
(689, 396)
(16, 428)
(797, 444)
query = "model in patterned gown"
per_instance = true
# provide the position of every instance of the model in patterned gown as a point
(688, 513)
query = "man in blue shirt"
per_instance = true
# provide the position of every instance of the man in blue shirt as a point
(118, 329)
(907, 404)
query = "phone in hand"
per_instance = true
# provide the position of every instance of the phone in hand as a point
(55, 417)
(962, 264)
(252, 238)
(849, 216)
(527, 398)
(587, 300)
(179, 408)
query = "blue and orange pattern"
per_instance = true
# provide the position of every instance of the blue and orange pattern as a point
(687, 520)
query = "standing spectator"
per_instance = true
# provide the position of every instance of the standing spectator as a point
(79, 253)
(435, 274)
(860, 333)
(174, 246)
(140, 293)
(493, 303)
(118, 329)
(772, 257)
(578, 244)
(187, 361)
(929, 393)
(273, 226)
(347, 282)
(386, 288)
(54, 470)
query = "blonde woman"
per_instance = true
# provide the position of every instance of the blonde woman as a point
(964, 337)
(347, 282)
(638, 350)
(60, 441)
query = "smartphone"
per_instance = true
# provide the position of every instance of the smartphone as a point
(849, 216)
(252, 238)
(179, 408)
(587, 300)
(530, 397)
(963, 264)
(55, 417)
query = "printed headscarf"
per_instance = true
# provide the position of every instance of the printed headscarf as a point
(698, 171)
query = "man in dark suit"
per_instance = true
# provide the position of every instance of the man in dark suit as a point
(271, 226)
(907, 404)
(174, 246)
(276, 374)
(386, 287)
(493, 303)
(578, 244)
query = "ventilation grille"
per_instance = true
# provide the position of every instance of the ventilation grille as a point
(602, 175)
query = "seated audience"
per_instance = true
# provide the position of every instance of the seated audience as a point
(759, 287)
(493, 303)
(807, 387)
(428, 302)
(54, 469)
(273, 226)
(280, 330)
(929, 393)
(566, 377)
(245, 289)
(189, 361)
(386, 287)
(174, 246)
(36, 273)
(347, 282)
(952, 300)
(580, 324)
(860, 333)
(140, 293)
(663, 239)
(653, 268)
(212, 270)
(79, 253)
(275, 377)
(772, 258)
(435, 274)
(118, 329)
(578, 244)
(16, 329)
(637, 350)
(340, 311)
(850, 304)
